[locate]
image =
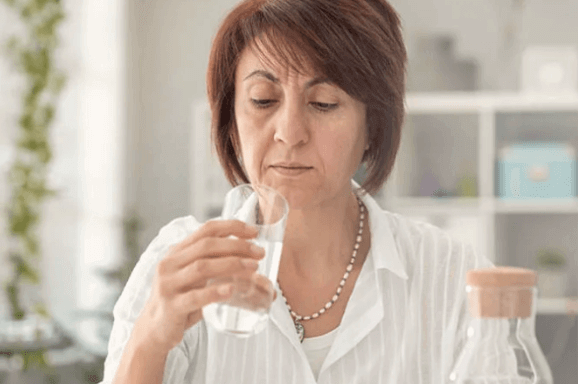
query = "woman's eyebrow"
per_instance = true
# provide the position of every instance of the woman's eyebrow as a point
(264, 74)
(318, 80)
(271, 77)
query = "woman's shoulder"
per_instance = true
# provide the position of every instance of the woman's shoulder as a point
(171, 233)
(418, 231)
(408, 230)
(179, 227)
(422, 244)
(138, 286)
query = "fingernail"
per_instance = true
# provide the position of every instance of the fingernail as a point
(224, 289)
(256, 249)
(250, 264)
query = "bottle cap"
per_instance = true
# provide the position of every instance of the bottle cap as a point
(501, 292)
(501, 277)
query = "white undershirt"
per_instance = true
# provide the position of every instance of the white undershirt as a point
(317, 348)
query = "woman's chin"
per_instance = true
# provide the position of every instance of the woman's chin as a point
(298, 195)
(296, 198)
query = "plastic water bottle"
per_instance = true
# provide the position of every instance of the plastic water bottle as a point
(501, 345)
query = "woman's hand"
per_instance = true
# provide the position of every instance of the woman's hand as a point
(180, 290)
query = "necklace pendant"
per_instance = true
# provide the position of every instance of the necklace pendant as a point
(300, 330)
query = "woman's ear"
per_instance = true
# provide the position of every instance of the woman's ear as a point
(367, 134)
(365, 153)
(367, 146)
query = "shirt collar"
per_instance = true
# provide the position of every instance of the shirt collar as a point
(383, 254)
(383, 247)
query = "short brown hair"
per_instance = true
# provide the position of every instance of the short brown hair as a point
(357, 44)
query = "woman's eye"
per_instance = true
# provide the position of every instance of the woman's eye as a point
(262, 103)
(324, 107)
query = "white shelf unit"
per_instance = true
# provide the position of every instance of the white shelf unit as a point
(448, 135)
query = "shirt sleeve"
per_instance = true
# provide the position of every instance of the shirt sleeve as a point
(133, 298)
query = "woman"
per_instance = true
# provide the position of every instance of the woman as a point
(302, 92)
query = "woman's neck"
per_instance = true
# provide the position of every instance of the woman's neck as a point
(320, 238)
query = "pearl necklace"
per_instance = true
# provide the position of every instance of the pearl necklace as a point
(298, 318)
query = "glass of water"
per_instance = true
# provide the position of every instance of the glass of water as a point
(246, 312)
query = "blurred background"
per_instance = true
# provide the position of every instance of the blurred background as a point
(488, 153)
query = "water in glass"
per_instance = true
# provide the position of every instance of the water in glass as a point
(229, 318)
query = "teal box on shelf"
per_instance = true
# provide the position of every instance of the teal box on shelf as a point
(536, 170)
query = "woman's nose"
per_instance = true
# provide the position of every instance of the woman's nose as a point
(291, 127)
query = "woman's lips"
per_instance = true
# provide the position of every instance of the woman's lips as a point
(291, 170)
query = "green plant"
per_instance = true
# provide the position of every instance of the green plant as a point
(32, 56)
(550, 259)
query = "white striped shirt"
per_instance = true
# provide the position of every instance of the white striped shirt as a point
(404, 322)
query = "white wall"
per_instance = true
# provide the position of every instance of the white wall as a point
(167, 65)
(480, 29)
(101, 143)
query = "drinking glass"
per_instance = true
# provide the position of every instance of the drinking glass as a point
(246, 312)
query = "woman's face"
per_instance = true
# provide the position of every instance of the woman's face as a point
(299, 134)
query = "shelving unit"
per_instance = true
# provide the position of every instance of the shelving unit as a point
(471, 205)
(449, 133)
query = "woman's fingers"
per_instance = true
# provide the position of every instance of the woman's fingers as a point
(215, 247)
(247, 293)
(263, 283)
(196, 274)
(214, 264)
(248, 290)
(196, 299)
(254, 293)
(219, 228)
